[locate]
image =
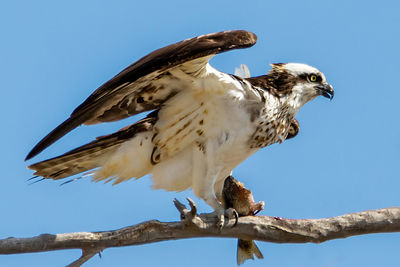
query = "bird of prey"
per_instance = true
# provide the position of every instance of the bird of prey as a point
(201, 124)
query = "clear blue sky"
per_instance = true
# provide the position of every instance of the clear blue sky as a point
(345, 159)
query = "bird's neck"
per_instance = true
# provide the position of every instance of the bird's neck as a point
(278, 95)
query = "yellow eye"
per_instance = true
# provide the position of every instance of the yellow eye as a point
(312, 78)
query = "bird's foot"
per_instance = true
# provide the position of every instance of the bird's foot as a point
(221, 213)
(190, 217)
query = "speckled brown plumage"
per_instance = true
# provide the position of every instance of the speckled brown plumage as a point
(118, 98)
(206, 122)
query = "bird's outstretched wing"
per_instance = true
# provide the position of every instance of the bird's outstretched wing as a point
(147, 83)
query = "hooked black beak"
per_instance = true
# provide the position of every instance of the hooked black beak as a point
(325, 90)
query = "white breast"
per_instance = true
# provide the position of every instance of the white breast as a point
(203, 129)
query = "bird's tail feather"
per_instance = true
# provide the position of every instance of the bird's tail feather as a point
(246, 250)
(91, 155)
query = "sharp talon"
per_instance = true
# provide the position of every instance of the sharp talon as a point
(193, 208)
(181, 208)
(191, 202)
(188, 216)
(232, 213)
(259, 207)
(179, 205)
(236, 217)
(176, 202)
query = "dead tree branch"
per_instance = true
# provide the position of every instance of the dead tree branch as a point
(263, 228)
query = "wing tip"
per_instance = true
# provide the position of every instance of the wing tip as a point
(30, 155)
(252, 37)
(233, 38)
(35, 151)
(247, 38)
(61, 130)
(39, 147)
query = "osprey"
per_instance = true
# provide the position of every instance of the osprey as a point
(202, 123)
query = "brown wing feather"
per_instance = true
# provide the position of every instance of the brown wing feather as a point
(91, 155)
(293, 129)
(110, 97)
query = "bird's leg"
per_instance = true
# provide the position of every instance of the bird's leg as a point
(207, 181)
(230, 212)
(219, 211)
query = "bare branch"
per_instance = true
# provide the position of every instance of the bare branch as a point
(263, 228)
(87, 254)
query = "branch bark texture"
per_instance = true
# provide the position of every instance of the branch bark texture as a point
(263, 228)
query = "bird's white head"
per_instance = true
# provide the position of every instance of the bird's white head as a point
(298, 83)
